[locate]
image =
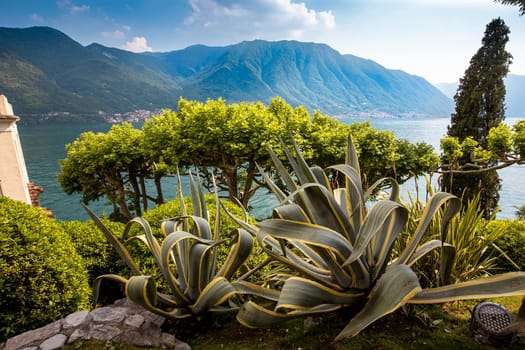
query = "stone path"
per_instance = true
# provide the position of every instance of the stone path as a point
(123, 322)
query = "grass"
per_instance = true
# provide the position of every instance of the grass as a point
(432, 327)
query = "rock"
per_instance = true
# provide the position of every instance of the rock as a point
(33, 337)
(76, 319)
(55, 342)
(123, 321)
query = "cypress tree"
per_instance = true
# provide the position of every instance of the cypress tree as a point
(480, 105)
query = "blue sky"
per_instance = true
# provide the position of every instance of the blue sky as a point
(433, 39)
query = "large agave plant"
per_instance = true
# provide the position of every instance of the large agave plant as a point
(187, 259)
(339, 249)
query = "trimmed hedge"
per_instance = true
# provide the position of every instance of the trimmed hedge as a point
(512, 242)
(42, 276)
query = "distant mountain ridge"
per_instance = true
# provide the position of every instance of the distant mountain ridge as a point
(514, 101)
(43, 70)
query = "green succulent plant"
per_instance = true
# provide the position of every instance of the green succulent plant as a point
(338, 247)
(187, 258)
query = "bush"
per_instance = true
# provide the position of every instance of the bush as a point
(98, 255)
(512, 243)
(42, 276)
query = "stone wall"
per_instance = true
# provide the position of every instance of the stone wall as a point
(123, 322)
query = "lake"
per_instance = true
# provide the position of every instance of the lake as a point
(43, 145)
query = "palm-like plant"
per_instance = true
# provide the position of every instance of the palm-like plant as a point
(186, 259)
(340, 252)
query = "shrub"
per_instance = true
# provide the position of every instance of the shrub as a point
(187, 258)
(42, 276)
(98, 255)
(512, 243)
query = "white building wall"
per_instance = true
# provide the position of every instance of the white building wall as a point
(13, 173)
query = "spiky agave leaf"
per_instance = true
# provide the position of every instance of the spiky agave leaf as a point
(392, 290)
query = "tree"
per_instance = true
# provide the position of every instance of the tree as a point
(110, 165)
(228, 142)
(479, 107)
(519, 3)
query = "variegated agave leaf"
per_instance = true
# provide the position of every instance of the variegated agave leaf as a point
(187, 260)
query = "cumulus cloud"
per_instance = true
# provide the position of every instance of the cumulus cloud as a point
(137, 44)
(35, 17)
(265, 19)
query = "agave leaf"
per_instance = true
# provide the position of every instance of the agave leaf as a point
(393, 289)
(351, 155)
(281, 170)
(243, 223)
(426, 248)
(170, 246)
(322, 208)
(386, 219)
(216, 292)
(300, 167)
(239, 252)
(301, 294)
(279, 194)
(502, 285)
(355, 201)
(394, 188)
(119, 247)
(331, 246)
(182, 204)
(98, 282)
(432, 206)
(308, 233)
(244, 287)
(142, 291)
(294, 262)
(199, 265)
(320, 176)
(151, 242)
(255, 316)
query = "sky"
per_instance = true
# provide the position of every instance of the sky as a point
(432, 39)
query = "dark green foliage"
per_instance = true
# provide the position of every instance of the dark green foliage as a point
(512, 243)
(519, 3)
(42, 277)
(480, 106)
(98, 255)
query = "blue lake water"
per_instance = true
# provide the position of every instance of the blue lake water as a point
(43, 145)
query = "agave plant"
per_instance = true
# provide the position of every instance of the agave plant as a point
(187, 259)
(338, 247)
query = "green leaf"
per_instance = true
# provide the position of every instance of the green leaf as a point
(502, 285)
(300, 294)
(393, 289)
(255, 316)
(239, 252)
(432, 206)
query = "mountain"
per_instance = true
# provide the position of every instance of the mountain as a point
(514, 102)
(47, 71)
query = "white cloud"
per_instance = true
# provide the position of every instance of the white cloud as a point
(116, 34)
(79, 9)
(264, 19)
(35, 17)
(137, 44)
(126, 28)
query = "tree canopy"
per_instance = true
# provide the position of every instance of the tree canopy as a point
(228, 142)
(479, 108)
(519, 3)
